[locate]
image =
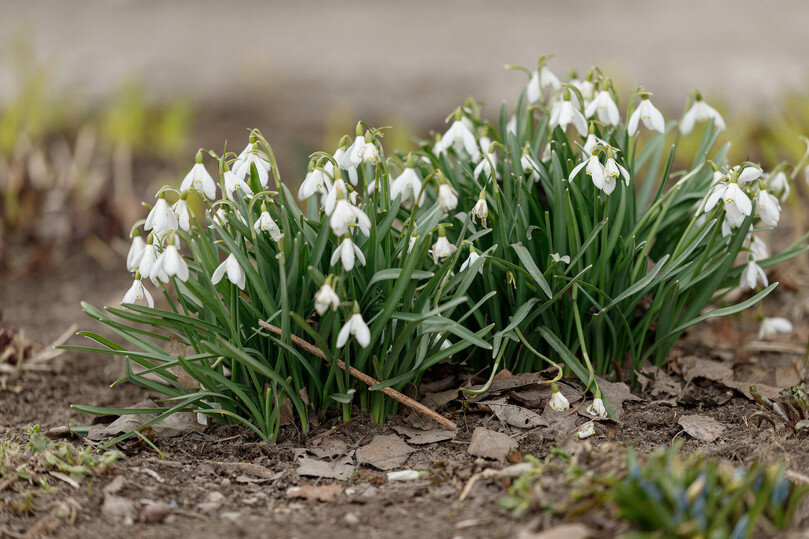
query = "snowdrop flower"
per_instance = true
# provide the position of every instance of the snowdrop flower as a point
(442, 248)
(511, 127)
(564, 259)
(748, 174)
(199, 180)
(447, 198)
(489, 158)
(233, 269)
(586, 88)
(252, 155)
(558, 401)
(541, 79)
(346, 214)
(758, 248)
(135, 253)
(597, 408)
(408, 185)
(344, 161)
(528, 163)
(316, 181)
(771, 326)
(611, 172)
(233, 182)
(169, 264)
(326, 298)
(180, 209)
(346, 252)
(481, 209)
(700, 111)
(751, 274)
(161, 218)
(265, 223)
(768, 208)
(563, 113)
(591, 142)
(459, 135)
(473, 256)
(147, 263)
(649, 115)
(737, 203)
(604, 108)
(357, 327)
(586, 430)
(136, 293)
(778, 184)
(593, 168)
(362, 150)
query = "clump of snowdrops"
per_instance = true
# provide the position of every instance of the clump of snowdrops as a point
(558, 235)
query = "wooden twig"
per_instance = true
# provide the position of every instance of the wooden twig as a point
(389, 391)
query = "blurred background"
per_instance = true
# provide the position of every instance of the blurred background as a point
(102, 102)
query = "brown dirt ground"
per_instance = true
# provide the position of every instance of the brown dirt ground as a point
(196, 464)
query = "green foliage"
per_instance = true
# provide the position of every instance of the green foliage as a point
(702, 496)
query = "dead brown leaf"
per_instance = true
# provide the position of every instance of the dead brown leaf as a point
(701, 427)
(514, 415)
(384, 452)
(340, 469)
(490, 444)
(422, 437)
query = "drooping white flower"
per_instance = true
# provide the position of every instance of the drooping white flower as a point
(346, 252)
(346, 214)
(586, 430)
(751, 274)
(199, 180)
(511, 127)
(252, 155)
(170, 263)
(442, 248)
(593, 168)
(611, 172)
(591, 142)
(180, 209)
(136, 293)
(135, 253)
(528, 164)
(700, 111)
(233, 182)
(597, 408)
(326, 298)
(459, 135)
(586, 88)
(649, 115)
(357, 327)
(558, 401)
(447, 198)
(343, 158)
(147, 263)
(161, 218)
(234, 271)
(737, 203)
(563, 113)
(768, 208)
(748, 174)
(565, 259)
(758, 248)
(316, 181)
(778, 184)
(604, 108)
(771, 326)
(488, 159)
(481, 209)
(265, 223)
(541, 79)
(408, 185)
(362, 150)
(473, 255)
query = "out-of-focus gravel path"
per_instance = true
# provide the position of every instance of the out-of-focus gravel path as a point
(411, 59)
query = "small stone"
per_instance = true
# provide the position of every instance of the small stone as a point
(490, 444)
(119, 509)
(225, 482)
(155, 513)
(351, 519)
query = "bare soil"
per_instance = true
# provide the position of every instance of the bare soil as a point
(211, 485)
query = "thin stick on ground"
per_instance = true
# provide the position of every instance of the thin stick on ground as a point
(389, 391)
